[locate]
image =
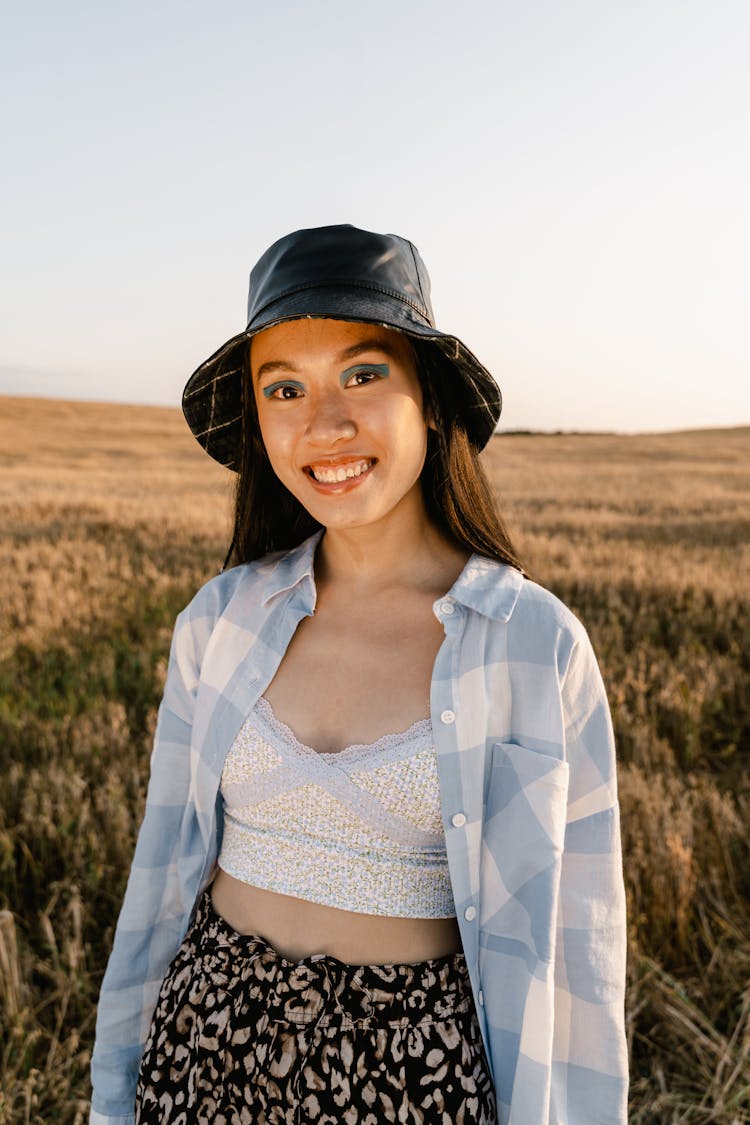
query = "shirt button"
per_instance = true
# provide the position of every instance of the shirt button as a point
(448, 717)
(458, 820)
(448, 608)
(470, 913)
(481, 997)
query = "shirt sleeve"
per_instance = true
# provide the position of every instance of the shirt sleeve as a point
(153, 916)
(590, 1065)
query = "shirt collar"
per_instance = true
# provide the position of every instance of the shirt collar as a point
(487, 586)
(286, 569)
(484, 585)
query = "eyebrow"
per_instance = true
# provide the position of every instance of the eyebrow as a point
(372, 345)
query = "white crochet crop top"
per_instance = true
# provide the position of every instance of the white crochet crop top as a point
(359, 830)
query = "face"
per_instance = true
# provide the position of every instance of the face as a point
(340, 412)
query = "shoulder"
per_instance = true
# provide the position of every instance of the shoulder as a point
(502, 593)
(538, 605)
(237, 595)
(546, 629)
(530, 623)
(215, 595)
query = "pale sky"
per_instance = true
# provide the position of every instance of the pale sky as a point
(575, 174)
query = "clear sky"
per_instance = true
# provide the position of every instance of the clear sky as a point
(575, 174)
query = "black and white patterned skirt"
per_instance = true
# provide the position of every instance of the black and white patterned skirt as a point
(240, 1036)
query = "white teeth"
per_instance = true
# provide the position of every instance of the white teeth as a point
(335, 476)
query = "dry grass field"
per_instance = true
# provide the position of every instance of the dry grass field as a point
(110, 519)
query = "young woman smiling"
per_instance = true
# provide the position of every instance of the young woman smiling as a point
(379, 874)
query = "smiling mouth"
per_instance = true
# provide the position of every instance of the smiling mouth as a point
(337, 473)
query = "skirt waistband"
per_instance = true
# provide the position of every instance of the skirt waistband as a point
(321, 988)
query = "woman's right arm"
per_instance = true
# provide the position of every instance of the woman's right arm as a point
(153, 918)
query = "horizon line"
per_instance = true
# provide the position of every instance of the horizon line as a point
(512, 431)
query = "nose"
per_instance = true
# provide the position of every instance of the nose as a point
(329, 421)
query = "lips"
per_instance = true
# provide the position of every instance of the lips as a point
(336, 472)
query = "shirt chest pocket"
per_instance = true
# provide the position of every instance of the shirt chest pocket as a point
(522, 846)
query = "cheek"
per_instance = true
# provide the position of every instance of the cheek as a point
(411, 429)
(277, 441)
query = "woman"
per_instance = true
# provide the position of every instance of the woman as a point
(379, 874)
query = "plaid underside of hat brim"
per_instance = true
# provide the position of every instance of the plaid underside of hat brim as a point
(212, 402)
(487, 401)
(212, 399)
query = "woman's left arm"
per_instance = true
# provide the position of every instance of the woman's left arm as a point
(590, 1063)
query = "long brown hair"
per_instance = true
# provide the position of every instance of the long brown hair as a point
(457, 494)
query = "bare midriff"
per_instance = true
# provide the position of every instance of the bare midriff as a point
(297, 928)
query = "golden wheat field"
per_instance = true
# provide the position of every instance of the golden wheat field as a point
(111, 517)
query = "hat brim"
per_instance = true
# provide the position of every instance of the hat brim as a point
(212, 398)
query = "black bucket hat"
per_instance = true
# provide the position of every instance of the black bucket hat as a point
(341, 273)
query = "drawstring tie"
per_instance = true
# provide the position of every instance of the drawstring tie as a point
(328, 988)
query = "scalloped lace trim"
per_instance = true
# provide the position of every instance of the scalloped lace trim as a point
(419, 733)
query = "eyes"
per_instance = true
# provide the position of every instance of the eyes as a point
(361, 378)
(362, 375)
(283, 390)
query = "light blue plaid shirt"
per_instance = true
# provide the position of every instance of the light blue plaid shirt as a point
(528, 788)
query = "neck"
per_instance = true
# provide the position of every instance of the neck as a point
(406, 550)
